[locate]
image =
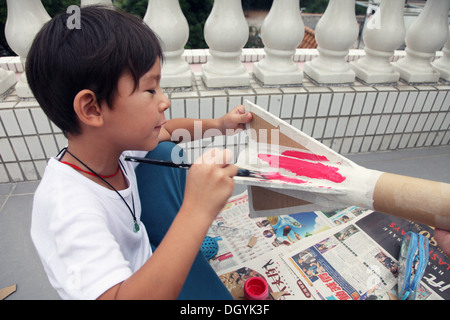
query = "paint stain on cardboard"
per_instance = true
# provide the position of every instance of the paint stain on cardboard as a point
(303, 168)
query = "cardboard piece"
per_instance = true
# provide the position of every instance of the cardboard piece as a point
(265, 202)
(420, 200)
(270, 135)
(265, 131)
(410, 198)
(277, 295)
(252, 242)
(5, 292)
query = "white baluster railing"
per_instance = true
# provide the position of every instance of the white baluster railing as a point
(85, 3)
(442, 65)
(168, 21)
(282, 31)
(383, 33)
(7, 81)
(425, 36)
(226, 33)
(336, 32)
(25, 18)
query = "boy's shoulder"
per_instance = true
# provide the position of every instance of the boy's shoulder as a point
(63, 181)
(61, 185)
(55, 176)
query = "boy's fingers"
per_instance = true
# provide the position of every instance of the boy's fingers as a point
(246, 117)
(241, 108)
(243, 117)
(232, 170)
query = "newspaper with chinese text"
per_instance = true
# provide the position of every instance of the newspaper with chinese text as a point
(344, 254)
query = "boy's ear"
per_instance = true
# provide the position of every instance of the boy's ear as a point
(88, 108)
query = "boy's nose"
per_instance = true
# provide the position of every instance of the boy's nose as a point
(164, 104)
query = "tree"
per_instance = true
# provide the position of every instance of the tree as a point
(314, 6)
(136, 7)
(195, 11)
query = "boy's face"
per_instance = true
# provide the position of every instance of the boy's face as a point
(136, 117)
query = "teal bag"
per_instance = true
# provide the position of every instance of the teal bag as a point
(412, 263)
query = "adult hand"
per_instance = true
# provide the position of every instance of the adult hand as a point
(443, 239)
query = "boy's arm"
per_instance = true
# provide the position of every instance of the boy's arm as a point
(187, 129)
(163, 275)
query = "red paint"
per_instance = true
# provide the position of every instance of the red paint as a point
(256, 288)
(304, 168)
(304, 155)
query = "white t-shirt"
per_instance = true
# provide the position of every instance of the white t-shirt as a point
(84, 233)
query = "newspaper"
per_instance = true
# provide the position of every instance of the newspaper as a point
(343, 254)
(346, 265)
(283, 283)
(265, 234)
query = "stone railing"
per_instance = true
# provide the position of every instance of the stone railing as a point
(351, 100)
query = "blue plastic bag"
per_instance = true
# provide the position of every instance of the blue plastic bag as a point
(412, 263)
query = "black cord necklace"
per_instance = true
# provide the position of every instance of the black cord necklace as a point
(132, 211)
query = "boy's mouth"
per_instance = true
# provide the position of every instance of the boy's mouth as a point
(160, 126)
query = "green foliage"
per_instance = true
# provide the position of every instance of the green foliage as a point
(310, 6)
(256, 4)
(319, 6)
(4, 48)
(136, 7)
(55, 7)
(195, 11)
(314, 6)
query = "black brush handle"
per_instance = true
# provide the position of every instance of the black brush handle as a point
(241, 172)
(158, 162)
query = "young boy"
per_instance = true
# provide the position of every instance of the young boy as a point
(100, 85)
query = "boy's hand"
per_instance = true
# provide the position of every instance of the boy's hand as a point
(210, 182)
(234, 121)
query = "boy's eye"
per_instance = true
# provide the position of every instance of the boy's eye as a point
(152, 91)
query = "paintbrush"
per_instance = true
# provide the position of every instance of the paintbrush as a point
(241, 172)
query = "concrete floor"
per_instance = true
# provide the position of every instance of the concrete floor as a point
(20, 265)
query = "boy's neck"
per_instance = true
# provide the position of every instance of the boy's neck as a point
(99, 157)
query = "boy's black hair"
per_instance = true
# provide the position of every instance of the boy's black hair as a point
(62, 61)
